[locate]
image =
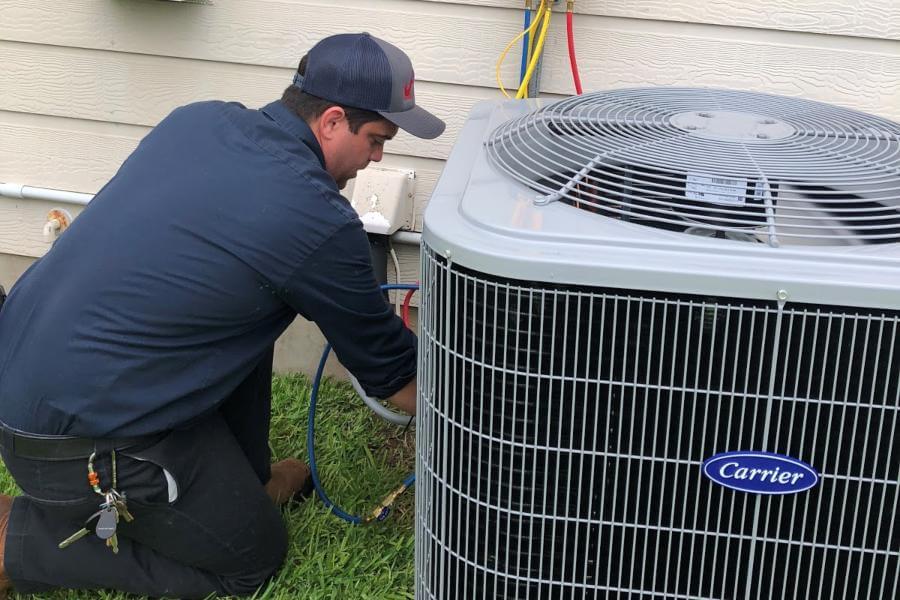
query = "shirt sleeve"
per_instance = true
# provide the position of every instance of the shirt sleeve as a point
(335, 287)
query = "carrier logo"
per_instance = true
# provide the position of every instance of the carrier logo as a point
(760, 472)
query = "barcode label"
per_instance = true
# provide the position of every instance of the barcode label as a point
(729, 191)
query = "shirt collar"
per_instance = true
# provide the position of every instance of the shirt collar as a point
(294, 125)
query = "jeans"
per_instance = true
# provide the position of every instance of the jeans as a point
(207, 528)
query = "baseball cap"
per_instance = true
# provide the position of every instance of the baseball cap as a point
(362, 71)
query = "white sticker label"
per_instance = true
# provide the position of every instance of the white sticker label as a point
(730, 191)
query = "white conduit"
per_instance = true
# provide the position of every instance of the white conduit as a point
(27, 192)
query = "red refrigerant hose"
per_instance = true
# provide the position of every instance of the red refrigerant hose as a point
(405, 310)
(571, 37)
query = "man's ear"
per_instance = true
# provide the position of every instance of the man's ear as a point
(329, 121)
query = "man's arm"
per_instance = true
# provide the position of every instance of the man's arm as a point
(405, 399)
(336, 288)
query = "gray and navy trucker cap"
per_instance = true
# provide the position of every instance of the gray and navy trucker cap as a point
(360, 70)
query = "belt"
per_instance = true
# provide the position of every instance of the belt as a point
(66, 447)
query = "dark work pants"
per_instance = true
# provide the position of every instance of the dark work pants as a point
(221, 535)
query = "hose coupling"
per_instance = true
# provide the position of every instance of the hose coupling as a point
(570, 5)
(381, 512)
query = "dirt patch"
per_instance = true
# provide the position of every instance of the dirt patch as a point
(397, 446)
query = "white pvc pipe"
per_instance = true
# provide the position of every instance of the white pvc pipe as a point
(27, 192)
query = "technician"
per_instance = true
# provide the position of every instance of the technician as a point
(136, 355)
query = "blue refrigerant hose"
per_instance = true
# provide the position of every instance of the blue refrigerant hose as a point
(381, 511)
(525, 46)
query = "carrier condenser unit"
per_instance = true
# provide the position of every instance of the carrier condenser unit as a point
(660, 352)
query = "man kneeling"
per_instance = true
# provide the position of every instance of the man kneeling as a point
(136, 362)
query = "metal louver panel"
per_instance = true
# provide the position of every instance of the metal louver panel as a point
(739, 165)
(561, 432)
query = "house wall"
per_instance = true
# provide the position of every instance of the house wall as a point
(81, 81)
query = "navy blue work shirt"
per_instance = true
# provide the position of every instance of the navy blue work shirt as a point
(177, 278)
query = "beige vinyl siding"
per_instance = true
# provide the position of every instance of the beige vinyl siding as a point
(458, 44)
(139, 89)
(81, 81)
(11, 268)
(864, 18)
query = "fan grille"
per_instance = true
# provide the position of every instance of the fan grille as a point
(740, 165)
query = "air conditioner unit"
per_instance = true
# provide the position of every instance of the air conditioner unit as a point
(660, 352)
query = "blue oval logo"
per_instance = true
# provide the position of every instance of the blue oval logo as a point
(760, 472)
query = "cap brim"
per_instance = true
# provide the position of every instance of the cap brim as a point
(417, 121)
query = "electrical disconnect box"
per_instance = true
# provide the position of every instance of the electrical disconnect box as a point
(383, 198)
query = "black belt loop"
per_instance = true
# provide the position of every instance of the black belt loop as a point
(6, 437)
(65, 447)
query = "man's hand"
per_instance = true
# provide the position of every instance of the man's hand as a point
(405, 399)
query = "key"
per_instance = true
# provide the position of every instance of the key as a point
(90, 525)
(113, 543)
(74, 538)
(120, 502)
(124, 512)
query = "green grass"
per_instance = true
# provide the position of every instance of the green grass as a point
(361, 459)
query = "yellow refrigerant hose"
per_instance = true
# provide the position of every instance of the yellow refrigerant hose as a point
(544, 7)
(545, 27)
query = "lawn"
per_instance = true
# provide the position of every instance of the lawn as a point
(361, 459)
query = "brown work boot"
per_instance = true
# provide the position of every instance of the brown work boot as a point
(5, 508)
(290, 479)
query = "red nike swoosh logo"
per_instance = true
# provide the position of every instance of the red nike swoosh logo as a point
(407, 89)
